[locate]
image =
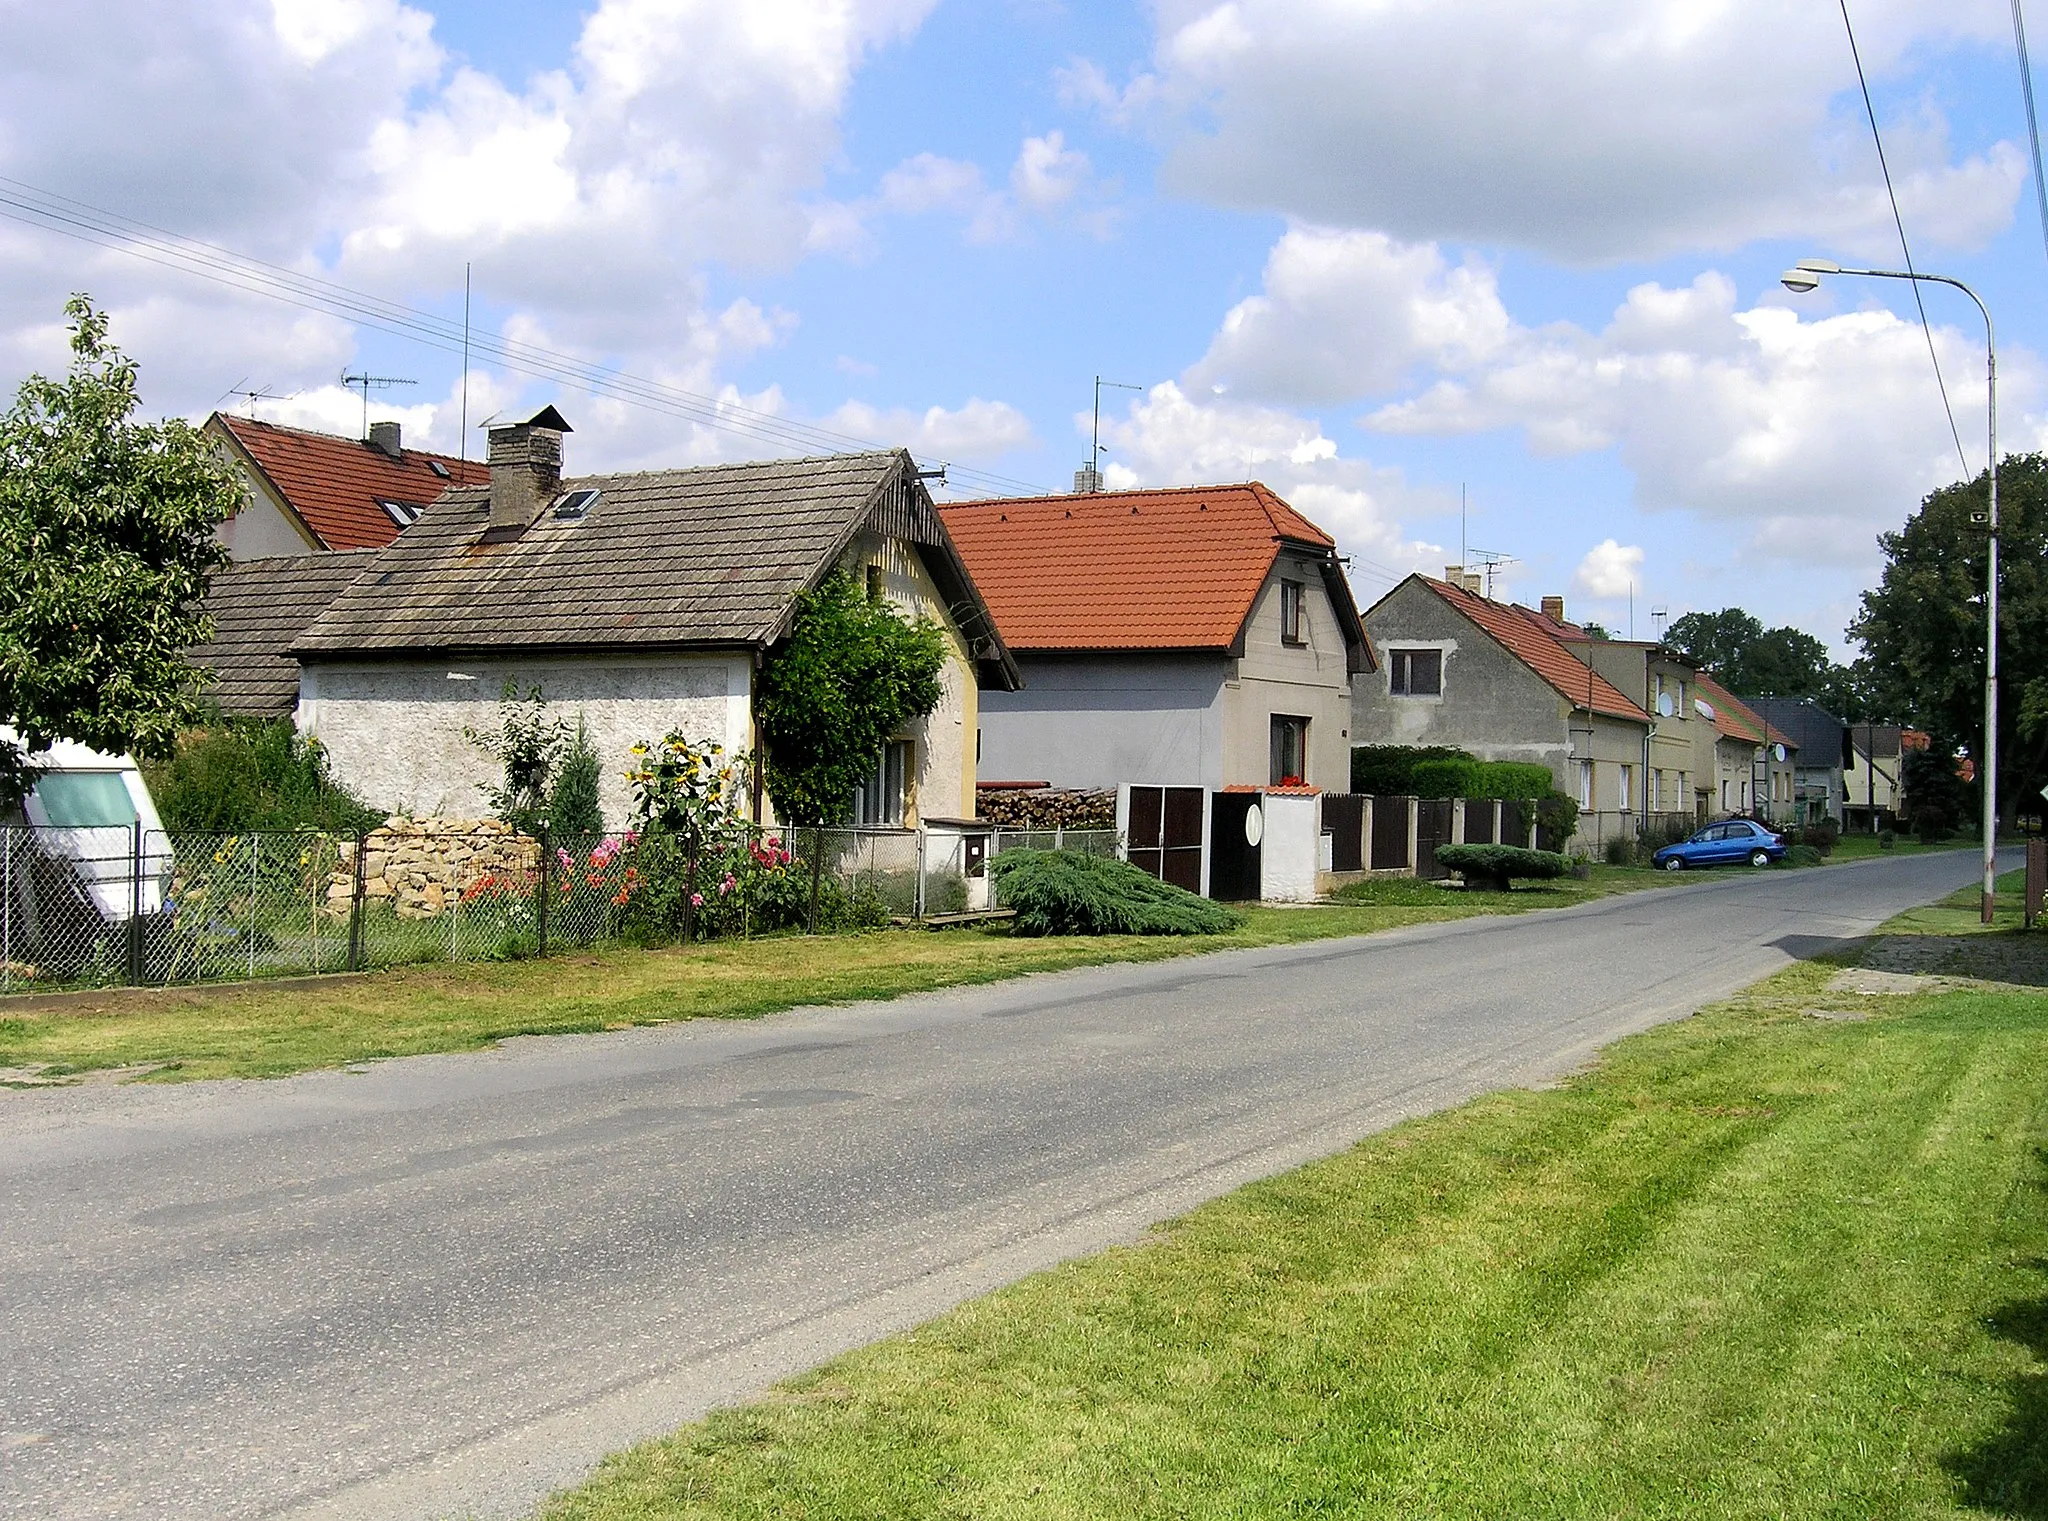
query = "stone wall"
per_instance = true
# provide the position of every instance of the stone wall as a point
(420, 867)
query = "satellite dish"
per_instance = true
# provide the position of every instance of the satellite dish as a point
(1704, 708)
(1254, 825)
(1778, 751)
(1667, 705)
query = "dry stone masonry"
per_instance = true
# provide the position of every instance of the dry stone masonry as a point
(421, 867)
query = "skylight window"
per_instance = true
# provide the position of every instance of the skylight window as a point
(404, 514)
(439, 469)
(576, 504)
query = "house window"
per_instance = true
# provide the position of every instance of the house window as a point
(1416, 673)
(1290, 751)
(1656, 785)
(1293, 613)
(404, 514)
(1585, 786)
(1624, 798)
(883, 795)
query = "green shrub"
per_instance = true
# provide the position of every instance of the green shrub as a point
(1619, 851)
(1388, 770)
(1491, 867)
(1557, 819)
(1821, 836)
(1444, 778)
(1518, 781)
(1803, 855)
(241, 776)
(1888, 840)
(573, 811)
(1063, 892)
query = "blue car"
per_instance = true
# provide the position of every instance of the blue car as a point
(1728, 843)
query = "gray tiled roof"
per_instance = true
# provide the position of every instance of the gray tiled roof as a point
(1802, 722)
(712, 555)
(259, 607)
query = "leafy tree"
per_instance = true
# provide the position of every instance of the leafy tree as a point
(1923, 627)
(852, 672)
(574, 811)
(1595, 630)
(527, 744)
(106, 544)
(1755, 661)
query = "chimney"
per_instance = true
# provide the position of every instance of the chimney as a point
(1475, 583)
(1455, 574)
(1553, 609)
(526, 470)
(384, 436)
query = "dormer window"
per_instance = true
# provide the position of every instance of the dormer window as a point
(404, 514)
(1293, 612)
(576, 504)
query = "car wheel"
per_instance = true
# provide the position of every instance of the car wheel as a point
(1759, 857)
(1674, 863)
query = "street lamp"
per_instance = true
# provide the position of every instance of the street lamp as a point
(1806, 276)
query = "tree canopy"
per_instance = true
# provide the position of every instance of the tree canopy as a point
(852, 673)
(1754, 661)
(106, 544)
(1923, 626)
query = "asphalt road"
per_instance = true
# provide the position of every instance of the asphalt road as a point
(447, 1285)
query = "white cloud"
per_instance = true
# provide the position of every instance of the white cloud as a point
(978, 431)
(1346, 314)
(1047, 172)
(1049, 183)
(1584, 128)
(1609, 570)
(1169, 438)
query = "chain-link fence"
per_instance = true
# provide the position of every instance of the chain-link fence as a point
(101, 907)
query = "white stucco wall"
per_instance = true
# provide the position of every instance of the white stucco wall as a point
(393, 730)
(1306, 680)
(1288, 853)
(260, 530)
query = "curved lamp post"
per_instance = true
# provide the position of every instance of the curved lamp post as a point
(1806, 276)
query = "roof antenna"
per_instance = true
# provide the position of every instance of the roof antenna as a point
(366, 383)
(462, 433)
(1657, 616)
(1090, 477)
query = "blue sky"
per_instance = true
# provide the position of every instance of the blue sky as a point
(1372, 251)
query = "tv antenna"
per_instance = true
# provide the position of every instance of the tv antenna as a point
(1657, 616)
(1489, 562)
(366, 383)
(1091, 478)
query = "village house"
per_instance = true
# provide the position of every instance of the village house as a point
(1665, 683)
(1200, 636)
(1821, 740)
(309, 491)
(1754, 769)
(1503, 682)
(638, 603)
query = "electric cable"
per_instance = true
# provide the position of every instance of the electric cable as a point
(1900, 222)
(2019, 38)
(68, 217)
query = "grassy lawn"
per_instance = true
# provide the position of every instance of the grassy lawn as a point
(1786, 1258)
(254, 1030)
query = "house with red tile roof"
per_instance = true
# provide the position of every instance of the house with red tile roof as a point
(1754, 761)
(1193, 636)
(311, 493)
(1505, 683)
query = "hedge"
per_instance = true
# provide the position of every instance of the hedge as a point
(1065, 892)
(1491, 866)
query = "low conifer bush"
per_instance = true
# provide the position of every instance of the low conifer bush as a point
(1491, 867)
(1065, 892)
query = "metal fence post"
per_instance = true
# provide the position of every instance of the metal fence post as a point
(135, 904)
(917, 899)
(255, 855)
(6, 908)
(355, 908)
(540, 909)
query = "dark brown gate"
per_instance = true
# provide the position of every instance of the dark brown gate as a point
(1514, 823)
(1432, 828)
(1479, 821)
(1344, 823)
(1165, 834)
(1234, 846)
(1389, 833)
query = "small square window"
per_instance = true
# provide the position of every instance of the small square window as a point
(1293, 613)
(1416, 673)
(404, 514)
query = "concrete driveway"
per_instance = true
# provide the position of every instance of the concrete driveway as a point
(447, 1285)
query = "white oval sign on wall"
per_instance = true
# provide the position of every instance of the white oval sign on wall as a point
(1667, 705)
(1254, 825)
(1778, 751)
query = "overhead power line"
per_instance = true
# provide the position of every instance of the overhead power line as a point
(28, 204)
(1900, 222)
(2019, 39)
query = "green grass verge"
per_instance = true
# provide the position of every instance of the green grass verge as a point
(254, 1030)
(1756, 1263)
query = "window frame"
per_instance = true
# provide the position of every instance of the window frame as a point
(1588, 787)
(1401, 672)
(883, 801)
(1293, 612)
(1279, 726)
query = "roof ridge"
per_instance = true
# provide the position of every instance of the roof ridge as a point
(231, 421)
(1083, 496)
